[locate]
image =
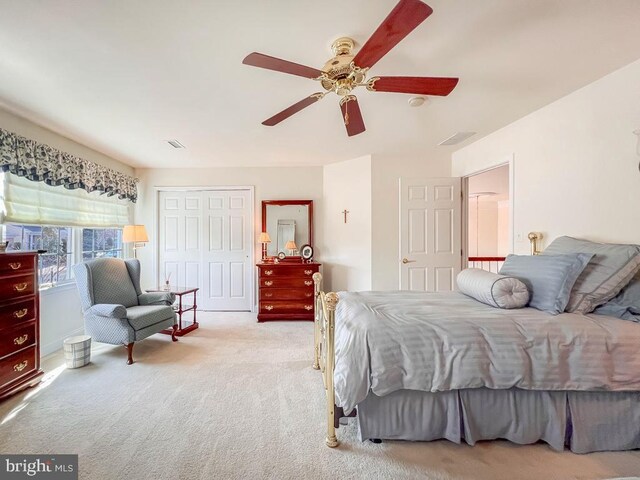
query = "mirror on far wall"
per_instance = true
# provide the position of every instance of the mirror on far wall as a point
(286, 221)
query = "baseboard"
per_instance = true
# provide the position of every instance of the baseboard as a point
(49, 348)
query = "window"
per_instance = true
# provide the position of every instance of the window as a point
(65, 247)
(101, 242)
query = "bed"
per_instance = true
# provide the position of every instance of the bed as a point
(426, 366)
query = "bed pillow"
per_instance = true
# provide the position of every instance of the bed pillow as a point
(611, 269)
(549, 278)
(493, 289)
(626, 305)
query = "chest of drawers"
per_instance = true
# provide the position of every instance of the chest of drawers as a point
(285, 291)
(19, 322)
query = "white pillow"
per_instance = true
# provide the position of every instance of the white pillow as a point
(493, 289)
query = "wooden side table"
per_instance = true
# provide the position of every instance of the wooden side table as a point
(181, 308)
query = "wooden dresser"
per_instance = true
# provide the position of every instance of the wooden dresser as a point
(285, 291)
(19, 322)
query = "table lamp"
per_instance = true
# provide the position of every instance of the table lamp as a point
(135, 234)
(291, 246)
(264, 239)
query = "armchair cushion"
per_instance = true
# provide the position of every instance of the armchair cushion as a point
(109, 310)
(111, 282)
(156, 298)
(144, 316)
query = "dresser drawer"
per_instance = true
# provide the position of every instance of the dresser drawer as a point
(288, 282)
(13, 340)
(287, 306)
(17, 365)
(305, 294)
(18, 286)
(12, 264)
(288, 271)
(17, 313)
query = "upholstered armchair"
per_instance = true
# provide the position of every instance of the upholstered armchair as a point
(115, 310)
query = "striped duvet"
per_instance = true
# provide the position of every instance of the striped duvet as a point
(432, 342)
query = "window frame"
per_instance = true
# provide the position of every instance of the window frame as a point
(76, 247)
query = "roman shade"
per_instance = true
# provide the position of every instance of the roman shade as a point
(36, 203)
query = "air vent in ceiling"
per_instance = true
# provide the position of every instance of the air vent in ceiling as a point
(175, 144)
(457, 138)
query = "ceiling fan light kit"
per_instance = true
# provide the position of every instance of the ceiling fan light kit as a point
(345, 71)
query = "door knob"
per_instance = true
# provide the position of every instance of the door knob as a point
(406, 260)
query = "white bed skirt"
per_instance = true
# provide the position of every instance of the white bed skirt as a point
(583, 421)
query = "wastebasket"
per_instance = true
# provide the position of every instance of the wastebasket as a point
(77, 351)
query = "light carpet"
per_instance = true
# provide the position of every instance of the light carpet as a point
(237, 399)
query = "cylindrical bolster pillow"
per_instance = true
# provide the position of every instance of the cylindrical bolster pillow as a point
(493, 289)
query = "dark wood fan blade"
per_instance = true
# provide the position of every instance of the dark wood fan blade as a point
(418, 85)
(351, 115)
(261, 60)
(405, 16)
(295, 108)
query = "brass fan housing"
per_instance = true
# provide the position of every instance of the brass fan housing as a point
(341, 75)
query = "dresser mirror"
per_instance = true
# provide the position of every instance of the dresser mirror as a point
(289, 224)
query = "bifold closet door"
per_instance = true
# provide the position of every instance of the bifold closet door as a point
(204, 240)
(227, 264)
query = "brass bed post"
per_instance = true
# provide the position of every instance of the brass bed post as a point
(317, 281)
(331, 299)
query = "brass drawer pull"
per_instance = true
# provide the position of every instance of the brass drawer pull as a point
(20, 287)
(308, 294)
(15, 266)
(20, 313)
(268, 294)
(268, 283)
(308, 272)
(308, 307)
(21, 339)
(18, 367)
(268, 272)
(268, 307)
(308, 283)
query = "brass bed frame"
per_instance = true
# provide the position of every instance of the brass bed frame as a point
(324, 353)
(324, 346)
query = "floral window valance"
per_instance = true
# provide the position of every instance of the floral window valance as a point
(40, 162)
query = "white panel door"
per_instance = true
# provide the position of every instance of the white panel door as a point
(430, 234)
(180, 238)
(204, 240)
(227, 253)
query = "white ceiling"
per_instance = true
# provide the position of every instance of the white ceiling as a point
(125, 76)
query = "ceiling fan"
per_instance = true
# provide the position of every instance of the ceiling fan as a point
(346, 71)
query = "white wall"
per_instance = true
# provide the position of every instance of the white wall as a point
(60, 312)
(575, 163)
(271, 183)
(385, 175)
(346, 249)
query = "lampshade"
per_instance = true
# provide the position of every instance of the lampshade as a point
(265, 238)
(291, 245)
(135, 234)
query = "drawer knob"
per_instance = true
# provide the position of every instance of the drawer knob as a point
(308, 283)
(21, 339)
(268, 294)
(308, 294)
(268, 283)
(308, 272)
(18, 367)
(20, 313)
(308, 307)
(268, 307)
(268, 272)
(15, 266)
(20, 287)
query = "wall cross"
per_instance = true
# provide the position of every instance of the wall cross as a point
(345, 215)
